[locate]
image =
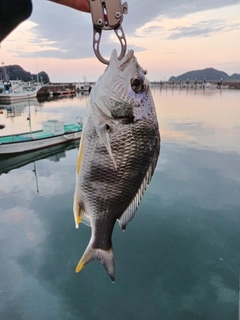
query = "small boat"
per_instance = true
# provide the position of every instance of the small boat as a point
(54, 132)
(83, 87)
(11, 91)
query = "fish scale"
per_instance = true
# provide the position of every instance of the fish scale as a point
(118, 153)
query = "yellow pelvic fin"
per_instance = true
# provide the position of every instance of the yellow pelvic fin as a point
(79, 215)
(76, 211)
(80, 153)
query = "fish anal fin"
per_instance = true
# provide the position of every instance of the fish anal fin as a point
(104, 256)
(129, 213)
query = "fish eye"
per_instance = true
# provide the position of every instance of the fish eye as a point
(137, 84)
(107, 127)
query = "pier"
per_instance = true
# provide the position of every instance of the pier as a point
(56, 88)
(195, 84)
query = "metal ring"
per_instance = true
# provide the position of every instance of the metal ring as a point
(97, 33)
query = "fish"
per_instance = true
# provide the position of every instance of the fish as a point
(118, 153)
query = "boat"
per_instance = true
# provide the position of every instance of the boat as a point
(54, 132)
(83, 87)
(18, 160)
(17, 90)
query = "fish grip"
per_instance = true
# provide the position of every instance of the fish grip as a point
(108, 15)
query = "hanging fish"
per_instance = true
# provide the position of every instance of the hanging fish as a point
(118, 153)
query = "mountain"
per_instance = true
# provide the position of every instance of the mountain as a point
(208, 74)
(16, 72)
(235, 76)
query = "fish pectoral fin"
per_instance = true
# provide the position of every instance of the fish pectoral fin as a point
(129, 213)
(102, 131)
(79, 215)
(104, 256)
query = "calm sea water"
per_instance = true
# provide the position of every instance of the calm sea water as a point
(179, 257)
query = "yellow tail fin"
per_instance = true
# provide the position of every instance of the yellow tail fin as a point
(104, 256)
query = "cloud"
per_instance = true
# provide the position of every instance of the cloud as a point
(70, 32)
(64, 33)
(151, 31)
(144, 12)
(203, 29)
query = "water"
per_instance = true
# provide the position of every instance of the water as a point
(179, 257)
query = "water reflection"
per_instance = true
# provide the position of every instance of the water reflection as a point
(16, 109)
(179, 258)
(200, 118)
(53, 153)
(80, 96)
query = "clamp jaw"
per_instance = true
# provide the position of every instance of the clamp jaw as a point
(108, 15)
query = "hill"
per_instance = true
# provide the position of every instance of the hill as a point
(16, 72)
(208, 74)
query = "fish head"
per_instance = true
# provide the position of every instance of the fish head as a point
(123, 90)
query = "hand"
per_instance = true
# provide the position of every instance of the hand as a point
(81, 5)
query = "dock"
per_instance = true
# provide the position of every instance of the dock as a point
(57, 89)
(195, 84)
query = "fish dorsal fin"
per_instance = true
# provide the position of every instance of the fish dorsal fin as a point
(79, 215)
(102, 131)
(129, 213)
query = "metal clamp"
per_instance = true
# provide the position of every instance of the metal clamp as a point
(108, 15)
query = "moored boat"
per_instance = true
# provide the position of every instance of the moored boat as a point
(16, 90)
(83, 87)
(54, 132)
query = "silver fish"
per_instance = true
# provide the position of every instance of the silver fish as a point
(118, 153)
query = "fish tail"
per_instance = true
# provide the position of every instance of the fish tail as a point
(104, 256)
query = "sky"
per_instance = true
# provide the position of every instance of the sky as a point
(169, 38)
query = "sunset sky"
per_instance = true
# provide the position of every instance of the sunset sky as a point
(168, 37)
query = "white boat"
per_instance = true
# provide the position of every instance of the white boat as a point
(17, 90)
(54, 132)
(83, 87)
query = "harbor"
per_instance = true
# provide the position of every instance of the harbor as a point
(14, 90)
(24, 91)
